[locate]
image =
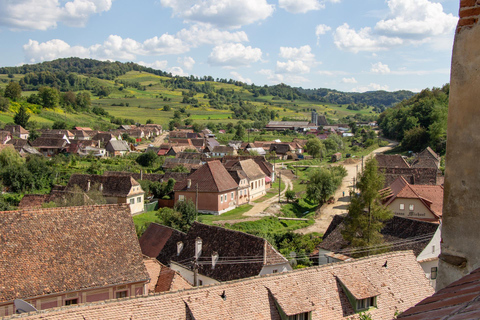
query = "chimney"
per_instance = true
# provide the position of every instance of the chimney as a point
(88, 185)
(189, 183)
(179, 247)
(198, 247)
(214, 259)
(141, 174)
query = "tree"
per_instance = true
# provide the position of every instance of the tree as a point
(240, 132)
(149, 121)
(147, 159)
(49, 97)
(315, 147)
(21, 117)
(180, 168)
(290, 195)
(171, 218)
(188, 210)
(167, 108)
(321, 186)
(366, 214)
(4, 104)
(59, 124)
(13, 91)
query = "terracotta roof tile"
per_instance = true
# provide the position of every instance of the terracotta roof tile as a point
(401, 285)
(459, 300)
(211, 177)
(391, 161)
(115, 186)
(45, 251)
(156, 237)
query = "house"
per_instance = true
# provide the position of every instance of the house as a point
(57, 133)
(264, 165)
(256, 151)
(425, 176)
(204, 241)
(175, 149)
(391, 161)
(281, 150)
(162, 278)
(421, 202)
(458, 300)
(240, 177)
(335, 291)
(81, 135)
(221, 151)
(5, 137)
(190, 164)
(427, 159)
(88, 150)
(23, 147)
(104, 137)
(56, 257)
(17, 131)
(115, 189)
(255, 176)
(117, 148)
(50, 146)
(399, 234)
(210, 187)
(290, 125)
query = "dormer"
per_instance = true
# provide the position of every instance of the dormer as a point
(294, 305)
(361, 293)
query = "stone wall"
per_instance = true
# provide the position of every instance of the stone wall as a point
(461, 213)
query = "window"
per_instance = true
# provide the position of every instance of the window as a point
(139, 199)
(121, 294)
(132, 201)
(71, 301)
(252, 185)
(433, 273)
(300, 316)
(181, 197)
(411, 207)
(366, 303)
(275, 271)
(221, 199)
(433, 249)
(402, 206)
(200, 282)
(232, 195)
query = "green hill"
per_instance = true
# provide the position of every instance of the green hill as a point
(129, 93)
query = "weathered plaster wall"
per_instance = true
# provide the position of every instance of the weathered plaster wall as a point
(461, 212)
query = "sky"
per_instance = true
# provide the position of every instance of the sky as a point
(347, 45)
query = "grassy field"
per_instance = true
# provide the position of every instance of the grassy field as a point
(234, 214)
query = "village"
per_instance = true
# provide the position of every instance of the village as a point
(303, 205)
(215, 179)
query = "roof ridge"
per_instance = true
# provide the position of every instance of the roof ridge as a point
(64, 208)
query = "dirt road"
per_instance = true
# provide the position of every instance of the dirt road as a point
(327, 211)
(156, 143)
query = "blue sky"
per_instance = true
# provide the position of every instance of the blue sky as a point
(348, 45)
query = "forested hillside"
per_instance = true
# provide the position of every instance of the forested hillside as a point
(419, 121)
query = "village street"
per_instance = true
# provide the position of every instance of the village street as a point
(326, 213)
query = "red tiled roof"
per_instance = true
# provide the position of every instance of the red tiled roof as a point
(459, 300)
(211, 177)
(401, 285)
(156, 236)
(55, 250)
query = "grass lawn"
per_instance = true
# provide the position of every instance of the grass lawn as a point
(236, 213)
(145, 219)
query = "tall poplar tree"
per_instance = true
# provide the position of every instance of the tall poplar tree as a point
(366, 213)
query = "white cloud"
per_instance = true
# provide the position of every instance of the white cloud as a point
(346, 38)
(370, 87)
(408, 22)
(275, 78)
(177, 71)
(238, 76)
(43, 15)
(199, 34)
(416, 19)
(221, 13)
(332, 73)
(300, 6)
(113, 48)
(303, 53)
(186, 62)
(321, 29)
(234, 55)
(292, 67)
(159, 65)
(349, 80)
(380, 68)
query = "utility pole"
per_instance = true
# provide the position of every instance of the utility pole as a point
(196, 202)
(362, 163)
(279, 185)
